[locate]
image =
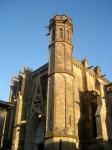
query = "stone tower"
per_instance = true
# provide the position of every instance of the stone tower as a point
(60, 122)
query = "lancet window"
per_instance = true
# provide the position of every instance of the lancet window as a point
(61, 33)
(53, 35)
(67, 35)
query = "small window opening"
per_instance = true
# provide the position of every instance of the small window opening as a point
(67, 35)
(61, 33)
(53, 35)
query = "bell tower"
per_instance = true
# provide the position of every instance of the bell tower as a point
(60, 48)
(60, 122)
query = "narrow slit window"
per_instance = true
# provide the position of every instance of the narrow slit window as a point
(53, 35)
(61, 33)
(67, 35)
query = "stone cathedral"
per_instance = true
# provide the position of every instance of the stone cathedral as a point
(63, 105)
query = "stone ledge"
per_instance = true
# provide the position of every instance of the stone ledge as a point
(50, 134)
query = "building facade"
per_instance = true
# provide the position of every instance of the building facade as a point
(63, 105)
(4, 107)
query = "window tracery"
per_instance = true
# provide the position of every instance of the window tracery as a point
(37, 98)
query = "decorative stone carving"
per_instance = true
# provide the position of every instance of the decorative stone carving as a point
(37, 98)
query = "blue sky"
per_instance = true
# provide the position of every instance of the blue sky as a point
(23, 37)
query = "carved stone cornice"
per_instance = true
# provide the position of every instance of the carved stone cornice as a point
(40, 70)
(77, 63)
(6, 105)
(91, 72)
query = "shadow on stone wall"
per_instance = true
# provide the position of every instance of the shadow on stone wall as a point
(109, 114)
(87, 130)
(61, 145)
(108, 120)
(6, 145)
(87, 124)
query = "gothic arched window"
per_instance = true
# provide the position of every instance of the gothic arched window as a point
(67, 35)
(61, 33)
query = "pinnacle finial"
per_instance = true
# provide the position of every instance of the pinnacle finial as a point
(86, 58)
(25, 66)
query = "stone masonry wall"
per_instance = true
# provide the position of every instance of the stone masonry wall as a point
(2, 119)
